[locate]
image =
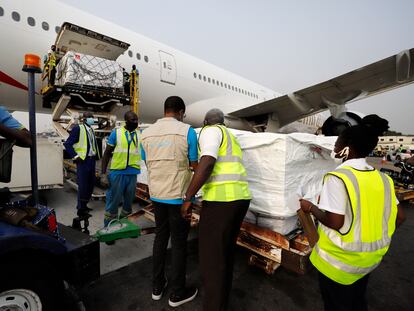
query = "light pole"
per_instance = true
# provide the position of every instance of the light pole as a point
(32, 66)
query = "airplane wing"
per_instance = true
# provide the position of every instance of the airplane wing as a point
(381, 76)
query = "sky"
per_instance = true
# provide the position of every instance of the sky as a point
(283, 45)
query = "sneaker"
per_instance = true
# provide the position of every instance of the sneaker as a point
(157, 292)
(177, 300)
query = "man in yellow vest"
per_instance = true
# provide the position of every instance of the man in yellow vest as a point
(226, 198)
(51, 64)
(124, 147)
(170, 152)
(82, 147)
(357, 216)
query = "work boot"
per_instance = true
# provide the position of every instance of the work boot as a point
(83, 212)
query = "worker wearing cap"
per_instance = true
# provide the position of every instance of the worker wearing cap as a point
(124, 147)
(82, 147)
(226, 198)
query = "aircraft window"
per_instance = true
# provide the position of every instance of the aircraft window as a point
(146, 58)
(218, 83)
(138, 56)
(164, 64)
(31, 21)
(195, 75)
(16, 16)
(214, 81)
(225, 85)
(209, 80)
(130, 53)
(57, 29)
(221, 84)
(45, 26)
(204, 78)
(243, 92)
(1, 11)
(199, 76)
(232, 88)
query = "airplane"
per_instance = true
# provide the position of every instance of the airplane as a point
(27, 27)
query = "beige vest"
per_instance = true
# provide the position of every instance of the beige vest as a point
(166, 150)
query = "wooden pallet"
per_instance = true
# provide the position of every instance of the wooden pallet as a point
(403, 194)
(269, 249)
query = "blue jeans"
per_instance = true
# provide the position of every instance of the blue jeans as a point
(121, 189)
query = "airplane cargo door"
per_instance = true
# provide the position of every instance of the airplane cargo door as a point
(168, 68)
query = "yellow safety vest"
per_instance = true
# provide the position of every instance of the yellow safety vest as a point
(228, 180)
(52, 59)
(81, 147)
(126, 154)
(345, 258)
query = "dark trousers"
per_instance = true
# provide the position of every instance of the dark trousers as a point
(338, 297)
(168, 222)
(218, 230)
(85, 171)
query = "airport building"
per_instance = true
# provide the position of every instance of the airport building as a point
(394, 142)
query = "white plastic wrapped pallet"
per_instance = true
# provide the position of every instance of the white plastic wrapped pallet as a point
(81, 69)
(281, 168)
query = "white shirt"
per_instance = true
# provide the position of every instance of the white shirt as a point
(334, 197)
(209, 141)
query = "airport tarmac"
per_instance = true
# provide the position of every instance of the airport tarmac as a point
(126, 272)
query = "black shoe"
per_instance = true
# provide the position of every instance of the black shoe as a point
(177, 300)
(83, 212)
(157, 292)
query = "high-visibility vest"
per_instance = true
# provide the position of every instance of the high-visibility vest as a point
(81, 147)
(52, 59)
(345, 258)
(126, 154)
(228, 180)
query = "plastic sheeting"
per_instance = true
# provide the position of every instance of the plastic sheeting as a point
(81, 69)
(281, 168)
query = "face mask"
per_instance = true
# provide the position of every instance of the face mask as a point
(131, 126)
(90, 121)
(341, 155)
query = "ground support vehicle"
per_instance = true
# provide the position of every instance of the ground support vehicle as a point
(87, 78)
(50, 168)
(40, 265)
(269, 249)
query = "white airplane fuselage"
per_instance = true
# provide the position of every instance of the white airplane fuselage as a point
(188, 77)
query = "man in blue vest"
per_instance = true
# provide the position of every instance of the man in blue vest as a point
(82, 147)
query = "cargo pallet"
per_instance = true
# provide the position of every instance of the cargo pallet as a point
(403, 194)
(269, 249)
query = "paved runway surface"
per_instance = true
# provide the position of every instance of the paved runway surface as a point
(391, 286)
